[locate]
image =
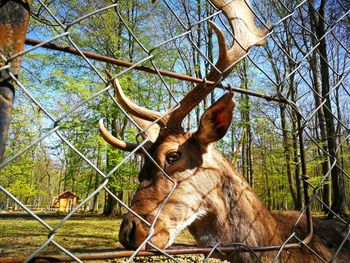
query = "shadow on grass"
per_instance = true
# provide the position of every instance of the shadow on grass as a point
(47, 215)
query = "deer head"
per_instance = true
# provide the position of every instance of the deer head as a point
(188, 158)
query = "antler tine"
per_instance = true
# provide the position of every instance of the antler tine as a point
(239, 12)
(131, 107)
(120, 144)
(152, 132)
(198, 93)
(241, 19)
(143, 118)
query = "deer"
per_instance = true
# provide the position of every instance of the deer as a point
(204, 193)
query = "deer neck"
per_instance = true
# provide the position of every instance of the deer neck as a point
(235, 214)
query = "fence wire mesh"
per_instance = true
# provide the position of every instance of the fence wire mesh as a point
(63, 85)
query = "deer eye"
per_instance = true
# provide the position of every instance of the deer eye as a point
(172, 157)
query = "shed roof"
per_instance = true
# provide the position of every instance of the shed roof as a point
(66, 194)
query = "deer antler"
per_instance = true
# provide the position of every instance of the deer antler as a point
(241, 19)
(131, 107)
(108, 137)
(142, 116)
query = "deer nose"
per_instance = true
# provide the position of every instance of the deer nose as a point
(127, 234)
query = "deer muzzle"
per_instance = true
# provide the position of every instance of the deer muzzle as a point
(132, 233)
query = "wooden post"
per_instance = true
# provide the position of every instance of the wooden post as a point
(14, 18)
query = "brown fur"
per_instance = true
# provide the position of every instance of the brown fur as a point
(233, 211)
(214, 202)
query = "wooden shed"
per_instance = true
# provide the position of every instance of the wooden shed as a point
(66, 201)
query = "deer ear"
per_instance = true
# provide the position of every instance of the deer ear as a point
(216, 120)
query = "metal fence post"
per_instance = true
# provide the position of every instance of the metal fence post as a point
(14, 18)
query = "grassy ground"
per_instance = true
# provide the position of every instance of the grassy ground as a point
(21, 235)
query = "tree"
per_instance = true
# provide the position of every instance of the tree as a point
(318, 23)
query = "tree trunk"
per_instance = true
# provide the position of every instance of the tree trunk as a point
(247, 165)
(287, 153)
(314, 66)
(294, 185)
(338, 204)
(94, 203)
(14, 20)
(296, 160)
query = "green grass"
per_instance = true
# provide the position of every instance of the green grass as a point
(21, 235)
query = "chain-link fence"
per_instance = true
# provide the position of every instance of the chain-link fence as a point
(304, 67)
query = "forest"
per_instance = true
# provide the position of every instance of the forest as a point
(305, 67)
